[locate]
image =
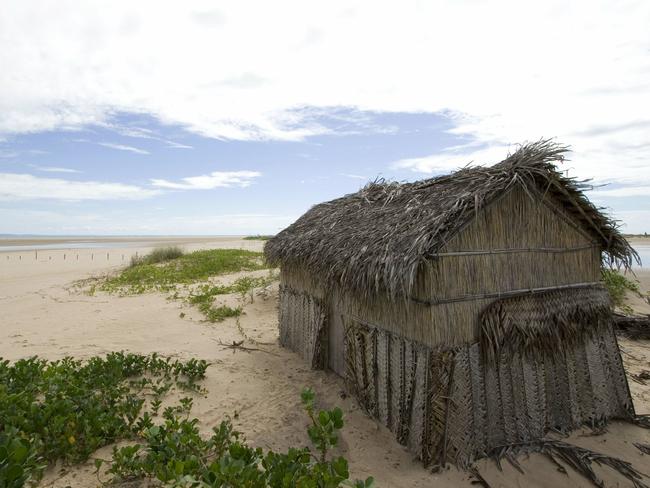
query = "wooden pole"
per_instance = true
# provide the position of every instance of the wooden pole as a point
(505, 294)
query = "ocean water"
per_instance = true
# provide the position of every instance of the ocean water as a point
(644, 254)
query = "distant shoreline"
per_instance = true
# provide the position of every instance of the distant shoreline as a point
(19, 243)
(11, 243)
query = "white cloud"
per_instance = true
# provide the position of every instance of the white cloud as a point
(54, 169)
(625, 191)
(213, 180)
(354, 176)
(112, 222)
(137, 132)
(426, 64)
(178, 145)
(634, 222)
(122, 147)
(453, 158)
(15, 186)
(140, 133)
(505, 71)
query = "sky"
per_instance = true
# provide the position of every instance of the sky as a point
(214, 118)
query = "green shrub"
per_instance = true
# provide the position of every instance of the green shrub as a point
(19, 460)
(176, 454)
(618, 285)
(218, 314)
(160, 255)
(65, 410)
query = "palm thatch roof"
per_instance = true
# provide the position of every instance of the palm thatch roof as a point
(377, 238)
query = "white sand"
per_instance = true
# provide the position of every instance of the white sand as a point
(39, 315)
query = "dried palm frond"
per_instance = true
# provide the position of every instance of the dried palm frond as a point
(644, 448)
(641, 420)
(478, 478)
(547, 323)
(635, 327)
(578, 458)
(641, 377)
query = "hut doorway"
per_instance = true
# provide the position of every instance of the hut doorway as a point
(336, 338)
(336, 345)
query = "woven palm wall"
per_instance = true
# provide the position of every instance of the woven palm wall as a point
(457, 405)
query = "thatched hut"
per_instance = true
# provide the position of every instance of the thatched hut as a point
(465, 311)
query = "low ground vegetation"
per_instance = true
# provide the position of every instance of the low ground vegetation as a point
(187, 277)
(65, 410)
(617, 285)
(203, 296)
(258, 237)
(186, 269)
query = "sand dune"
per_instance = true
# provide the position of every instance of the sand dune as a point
(41, 314)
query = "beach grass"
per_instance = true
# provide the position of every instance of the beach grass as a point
(617, 285)
(258, 237)
(159, 255)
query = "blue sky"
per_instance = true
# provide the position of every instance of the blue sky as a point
(281, 179)
(245, 117)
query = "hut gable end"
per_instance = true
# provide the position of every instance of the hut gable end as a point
(519, 221)
(515, 243)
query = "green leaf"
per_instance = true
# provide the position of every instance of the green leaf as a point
(14, 472)
(337, 418)
(323, 417)
(19, 452)
(307, 396)
(340, 466)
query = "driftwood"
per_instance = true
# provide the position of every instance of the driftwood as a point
(632, 326)
(238, 346)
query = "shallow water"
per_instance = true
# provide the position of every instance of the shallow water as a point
(644, 254)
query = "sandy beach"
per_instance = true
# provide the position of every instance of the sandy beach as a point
(43, 314)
